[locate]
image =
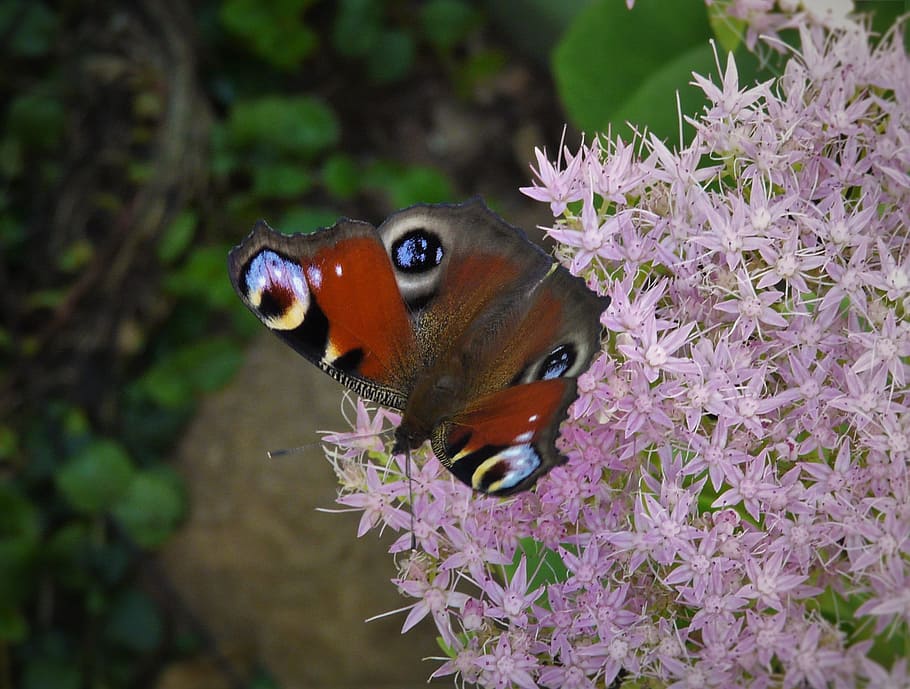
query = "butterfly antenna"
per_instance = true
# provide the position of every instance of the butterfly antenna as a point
(407, 472)
(272, 454)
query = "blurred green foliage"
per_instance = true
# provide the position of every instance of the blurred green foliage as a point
(80, 504)
(276, 31)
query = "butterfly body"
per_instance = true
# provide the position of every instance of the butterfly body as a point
(445, 313)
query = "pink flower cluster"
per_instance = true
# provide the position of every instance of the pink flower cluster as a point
(736, 508)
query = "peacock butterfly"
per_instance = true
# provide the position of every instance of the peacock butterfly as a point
(445, 313)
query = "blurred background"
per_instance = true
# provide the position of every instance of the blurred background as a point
(145, 539)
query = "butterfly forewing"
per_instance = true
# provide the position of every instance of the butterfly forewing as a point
(456, 264)
(332, 296)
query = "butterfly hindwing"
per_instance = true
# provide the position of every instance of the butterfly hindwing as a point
(506, 440)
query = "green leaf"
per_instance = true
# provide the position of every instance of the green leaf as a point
(75, 424)
(45, 298)
(341, 176)
(307, 219)
(654, 103)
(225, 158)
(280, 180)
(36, 119)
(13, 625)
(421, 185)
(134, 623)
(74, 257)
(728, 30)
(139, 172)
(150, 509)
(51, 673)
(480, 67)
(9, 437)
(298, 125)
(840, 610)
(68, 556)
(884, 14)
(12, 163)
(262, 680)
(391, 58)
(33, 31)
(609, 52)
(357, 27)
(110, 565)
(12, 230)
(447, 22)
(542, 22)
(408, 185)
(19, 537)
(177, 237)
(96, 477)
(199, 367)
(544, 566)
(150, 428)
(203, 277)
(273, 30)
(447, 648)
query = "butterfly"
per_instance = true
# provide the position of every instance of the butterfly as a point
(444, 313)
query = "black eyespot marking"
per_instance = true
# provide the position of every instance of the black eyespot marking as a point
(417, 251)
(456, 443)
(349, 361)
(495, 473)
(557, 362)
(312, 336)
(273, 303)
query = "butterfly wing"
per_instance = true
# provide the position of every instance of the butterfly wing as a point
(506, 440)
(439, 298)
(333, 297)
(522, 365)
(453, 263)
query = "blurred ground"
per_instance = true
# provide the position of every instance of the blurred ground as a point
(274, 581)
